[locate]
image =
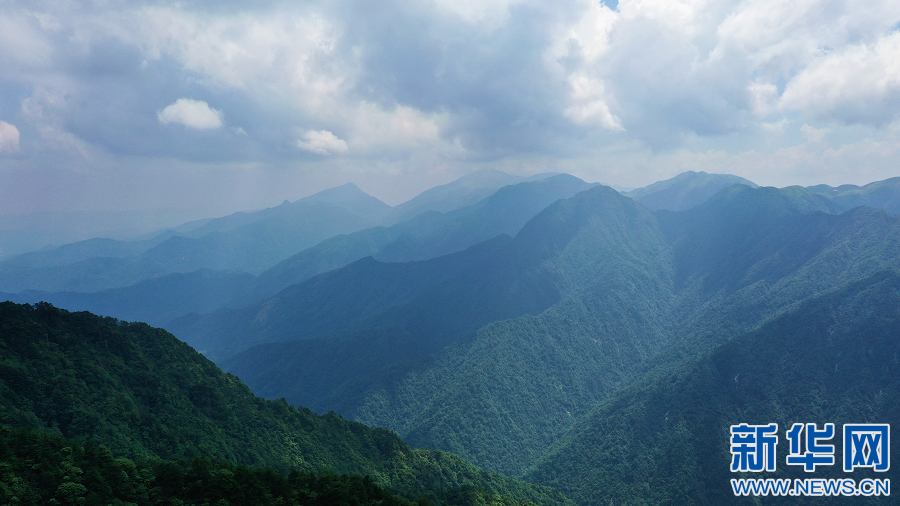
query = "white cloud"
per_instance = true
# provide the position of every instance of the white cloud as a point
(402, 129)
(46, 110)
(322, 142)
(490, 12)
(576, 53)
(9, 137)
(589, 104)
(666, 70)
(763, 98)
(814, 135)
(23, 45)
(858, 84)
(194, 114)
(288, 53)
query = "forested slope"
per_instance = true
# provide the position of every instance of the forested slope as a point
(39, 469)
(665, 439)
(142, 393)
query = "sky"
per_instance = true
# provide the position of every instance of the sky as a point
(209, 107)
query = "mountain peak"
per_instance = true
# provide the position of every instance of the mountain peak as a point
(461, 192)
(685, 190)
(350, 197)
(338, 194)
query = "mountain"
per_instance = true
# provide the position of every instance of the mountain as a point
(156, 301)
(158, 297)
(553, 347)
(462, 192)
(429, 235)
(255, 241)
(43, 230)
(142, 393)
(521, 384)
(881, 194)
(592, 293)
(347, 197)
(505, 211)
(685, 190)
(339, 301)
(250, 242)
(84, 250)
(665, 439)
(339, 371)
(544, 263)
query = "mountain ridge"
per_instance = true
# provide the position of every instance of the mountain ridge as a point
(685, 190)
(699, 277)
(829, 360)
(142, 393)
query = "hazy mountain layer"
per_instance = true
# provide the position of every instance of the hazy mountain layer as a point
(156, 301)
(250, 242)
(882, 194)
(499, 350)
(684, 191)
(72, 273)
(462, 192)
(429, 235)
(342, 301)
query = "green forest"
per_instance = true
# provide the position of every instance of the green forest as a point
(147, 397)
(40, 468)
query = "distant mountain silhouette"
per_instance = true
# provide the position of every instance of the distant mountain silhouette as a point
(684, 191)
(882, 194)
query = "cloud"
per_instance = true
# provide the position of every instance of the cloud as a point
(448, 86)
(814, 135)
(322, 142)
(668, 71)
(9, 137)
(858, 84)
(403, 129)
(589, 105)
(490, 12)
(291, 53)
(194, 114)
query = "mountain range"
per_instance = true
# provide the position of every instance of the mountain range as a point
(517, 344)
(549, 329)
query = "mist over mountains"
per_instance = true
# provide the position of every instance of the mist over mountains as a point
(548, 329)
